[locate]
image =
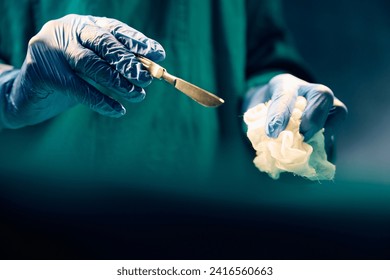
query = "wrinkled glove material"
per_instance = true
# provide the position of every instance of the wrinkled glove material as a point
(288, 152)
(71, 61)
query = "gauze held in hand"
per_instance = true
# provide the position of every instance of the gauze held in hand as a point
(288, 152)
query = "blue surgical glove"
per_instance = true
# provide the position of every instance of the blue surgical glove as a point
(67, 53)
(322, 110)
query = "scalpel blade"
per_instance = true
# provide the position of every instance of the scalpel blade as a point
(201, 96)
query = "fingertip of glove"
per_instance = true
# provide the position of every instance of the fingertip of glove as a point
(274, 127)
(118, 111)
(157, 53)
(160, 55)
(308, 135)
(136, 95)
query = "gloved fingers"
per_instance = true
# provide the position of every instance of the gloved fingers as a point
(134, 40)
(319, 103)
(336, 116)
(107, 47)
(279, 112)
(86, 94)
(92, 67)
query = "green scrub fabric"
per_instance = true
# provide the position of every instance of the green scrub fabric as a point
(221, 46)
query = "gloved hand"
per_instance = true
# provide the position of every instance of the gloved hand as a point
(100, 50)
(322, 110)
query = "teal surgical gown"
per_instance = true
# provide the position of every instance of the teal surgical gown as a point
(222, 46)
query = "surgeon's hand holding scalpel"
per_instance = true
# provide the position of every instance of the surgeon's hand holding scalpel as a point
(98, 49)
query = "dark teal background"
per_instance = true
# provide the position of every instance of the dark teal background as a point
(346, 44)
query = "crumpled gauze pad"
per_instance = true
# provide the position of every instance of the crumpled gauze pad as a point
(288, 152)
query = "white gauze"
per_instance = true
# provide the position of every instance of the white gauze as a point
(288, 152)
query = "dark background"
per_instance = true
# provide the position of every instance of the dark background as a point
(346, 44)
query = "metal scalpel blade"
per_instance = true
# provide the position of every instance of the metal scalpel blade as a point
(201, 96)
